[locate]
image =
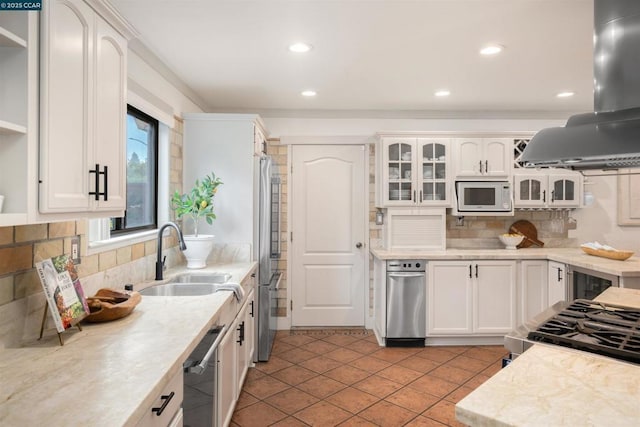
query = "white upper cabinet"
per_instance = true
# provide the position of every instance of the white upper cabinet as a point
(483, 157)
(83, 111)
(547, 188)
(414, 171)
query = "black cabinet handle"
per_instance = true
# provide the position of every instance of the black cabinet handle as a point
(251, 313)
(166, 398)
(476, 271)
(486, 166)
(240, 329)
(420, 196)
(414, 197)
(544, 196)
(559, 275)
(553, 196)
(480, 163)
(470, 274)
(97, 193)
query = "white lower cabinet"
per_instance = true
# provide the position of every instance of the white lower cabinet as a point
(533, 289)
(235, 354)
(556, 283)
(471, 297)
(227, 372)
(166, 407)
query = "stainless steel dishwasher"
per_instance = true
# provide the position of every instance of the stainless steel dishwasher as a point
(199, 403)
(406, 303)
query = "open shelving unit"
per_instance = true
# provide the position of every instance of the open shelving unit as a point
(18, 115)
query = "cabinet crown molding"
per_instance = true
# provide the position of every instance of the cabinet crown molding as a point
(105, 9)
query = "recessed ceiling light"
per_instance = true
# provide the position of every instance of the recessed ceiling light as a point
(565, 94)
(300, 47)
(309, 93)
(492, 49)
(442, 93)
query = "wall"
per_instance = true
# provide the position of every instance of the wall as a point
(599, 222)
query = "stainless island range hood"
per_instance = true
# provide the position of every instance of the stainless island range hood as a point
(609, 138)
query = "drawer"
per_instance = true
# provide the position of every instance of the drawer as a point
(151, 418)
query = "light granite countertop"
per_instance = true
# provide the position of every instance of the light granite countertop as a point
(556, 386)
(109, 373)
(573, 256)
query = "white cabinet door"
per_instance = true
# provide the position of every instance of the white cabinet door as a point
(498, 157)
(433, 172)
(398, 171)
(111, 111)
(83, 110)
(227, 384)
(450, 298)
(557, 284)
(483, 157)
(242, 325)
(530, 190)
(565, 189)
(533, 289)
(494, 296)
(66, 105)
(249, 329)
(469, 157)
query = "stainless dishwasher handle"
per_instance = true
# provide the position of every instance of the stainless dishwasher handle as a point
(406, 274)
(200, 367)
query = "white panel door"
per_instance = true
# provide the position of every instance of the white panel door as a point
(533, 289)
(328, 228)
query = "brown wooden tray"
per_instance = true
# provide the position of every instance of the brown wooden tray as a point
(617, 255)
(528, 230)
(111, 304)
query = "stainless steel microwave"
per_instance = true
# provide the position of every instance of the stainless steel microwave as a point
(483, 196)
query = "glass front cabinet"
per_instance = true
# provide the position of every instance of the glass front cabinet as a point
(547, 188)
(415, 172)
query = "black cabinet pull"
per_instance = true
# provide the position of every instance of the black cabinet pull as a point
(480, 163)
(240, 329)
(470, 274)
(97, 193)
(544, 196)
(166, 398)
(486, 166)
(476, 271)
(251, 313)
(553, 196)
(559, 275)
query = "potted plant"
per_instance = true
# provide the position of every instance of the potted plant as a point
(197, 204)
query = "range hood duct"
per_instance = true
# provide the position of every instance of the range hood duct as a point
(609, 138)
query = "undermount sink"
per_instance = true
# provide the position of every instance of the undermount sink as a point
(202, 278)
(180, 289)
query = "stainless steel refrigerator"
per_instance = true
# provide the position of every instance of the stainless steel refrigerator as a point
(268, 236)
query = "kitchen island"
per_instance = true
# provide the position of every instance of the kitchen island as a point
(109, 374)
(556, 386)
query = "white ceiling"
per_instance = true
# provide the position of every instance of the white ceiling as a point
(375, 56)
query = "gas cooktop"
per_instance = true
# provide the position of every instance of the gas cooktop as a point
(587, 325)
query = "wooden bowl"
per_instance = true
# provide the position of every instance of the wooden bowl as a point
(617, 255)
(110, 304)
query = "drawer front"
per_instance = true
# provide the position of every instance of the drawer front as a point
(172, 407)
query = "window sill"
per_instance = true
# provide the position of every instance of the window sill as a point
(118, 242)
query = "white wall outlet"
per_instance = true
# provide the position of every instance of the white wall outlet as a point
(75, 249)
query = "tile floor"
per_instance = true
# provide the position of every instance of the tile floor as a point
(330, 378)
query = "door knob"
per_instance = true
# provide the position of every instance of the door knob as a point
(358, 245)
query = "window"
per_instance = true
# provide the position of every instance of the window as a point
(142, 174)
